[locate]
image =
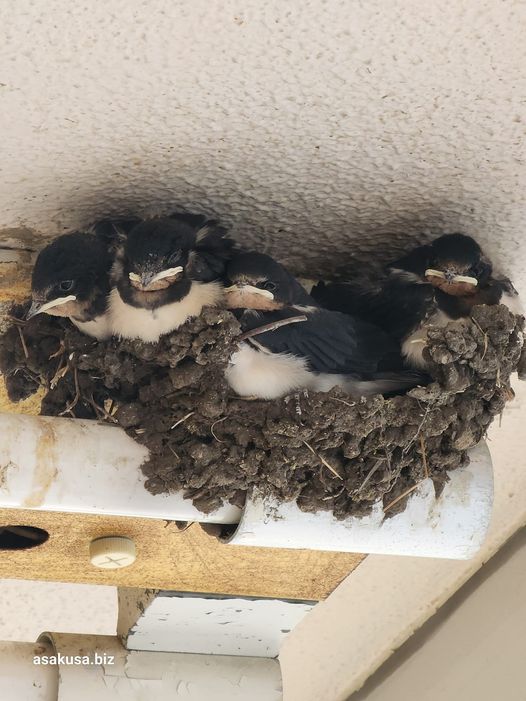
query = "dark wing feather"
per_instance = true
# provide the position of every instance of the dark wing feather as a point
(346, 297)
(113, 232)
(397, 306)
(212, 251)
(331, 342)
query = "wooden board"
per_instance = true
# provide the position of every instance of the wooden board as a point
(15, 280)
(168, 558)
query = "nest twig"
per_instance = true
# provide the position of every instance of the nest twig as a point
(271, 327)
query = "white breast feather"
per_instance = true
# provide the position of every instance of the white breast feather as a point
(149, 324)
(252, 373)
(99, 328)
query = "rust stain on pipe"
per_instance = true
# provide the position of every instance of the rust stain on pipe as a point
(46, 466)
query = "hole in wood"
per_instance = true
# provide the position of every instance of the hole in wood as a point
(21, 537)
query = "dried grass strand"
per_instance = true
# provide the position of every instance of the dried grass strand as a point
(323, 461)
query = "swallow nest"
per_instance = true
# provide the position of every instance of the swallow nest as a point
(327, 451)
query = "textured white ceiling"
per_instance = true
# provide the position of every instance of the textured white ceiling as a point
(316, 129)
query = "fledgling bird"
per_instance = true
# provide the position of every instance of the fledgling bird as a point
(430, 286)
(323, 350)
(166, 270)
(71, 279)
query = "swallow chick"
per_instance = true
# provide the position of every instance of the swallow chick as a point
(432, 285)
(71, 279)
(303, 346)
(166, 270)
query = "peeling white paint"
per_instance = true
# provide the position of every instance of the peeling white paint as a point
(214, 625)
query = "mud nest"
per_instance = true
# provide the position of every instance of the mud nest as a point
(326, 451)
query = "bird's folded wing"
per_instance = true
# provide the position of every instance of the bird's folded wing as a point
(212, 250)
(329, 341)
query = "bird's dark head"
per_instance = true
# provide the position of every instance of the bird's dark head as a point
(68, 274)
(257, 281)
(167, 253)
(457, 265)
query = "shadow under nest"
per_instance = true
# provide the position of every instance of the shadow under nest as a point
(338, 454)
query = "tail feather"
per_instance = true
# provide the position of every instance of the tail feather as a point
(386, 383)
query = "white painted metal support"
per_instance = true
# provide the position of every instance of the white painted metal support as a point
(452, 526)
(23, 680)
(170, 621)
(69, 465)
(121, 675)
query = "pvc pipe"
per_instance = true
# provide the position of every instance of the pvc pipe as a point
(21, 678)
(69, 465)
(78, 466)
(136, 676)
(452, 526)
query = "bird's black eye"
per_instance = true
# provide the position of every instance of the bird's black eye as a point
(269, 285)
(174, 257)
(66, 285)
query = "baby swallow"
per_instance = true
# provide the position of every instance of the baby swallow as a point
(306, 347)
(430, 286)
(71, 279)
(166, 270)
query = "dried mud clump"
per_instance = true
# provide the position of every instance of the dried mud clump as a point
(327, 451)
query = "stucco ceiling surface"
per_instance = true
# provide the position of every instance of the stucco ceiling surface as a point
(324, 132)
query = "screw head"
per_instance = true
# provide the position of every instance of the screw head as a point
(112, 553)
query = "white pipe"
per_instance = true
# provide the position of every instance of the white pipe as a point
(21, 678)
(452, 526)
(70, 465)
(143, 676)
